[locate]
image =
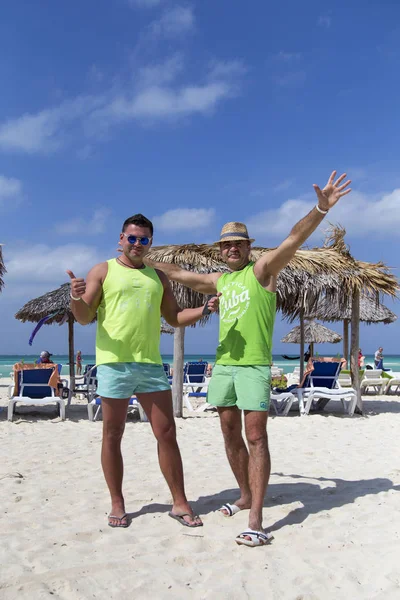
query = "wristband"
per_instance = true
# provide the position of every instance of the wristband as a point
(73, 298)
(323, 212)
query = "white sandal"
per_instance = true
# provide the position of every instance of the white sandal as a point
(232, 509)
(257, 538)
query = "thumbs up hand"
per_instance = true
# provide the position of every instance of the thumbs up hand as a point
(78, 286)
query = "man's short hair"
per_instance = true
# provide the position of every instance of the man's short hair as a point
(139, 220)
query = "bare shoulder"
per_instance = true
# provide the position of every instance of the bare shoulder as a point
(260, 270)
(98, 272)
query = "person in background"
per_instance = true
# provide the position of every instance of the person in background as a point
(361, 359)
(44, 357)
(79, 363)
(379, 358)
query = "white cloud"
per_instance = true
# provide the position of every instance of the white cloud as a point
(43, 132)
(288, 57)
(283, 185)
(360, 215)
(277, 222)
(10, 188)
(175, 22)
(184, 219)
(154, 95)
(97, 224)
(161, 102)
(324, 21)
(39, 262)
(144, 3)
(160, 73)
(227, 69)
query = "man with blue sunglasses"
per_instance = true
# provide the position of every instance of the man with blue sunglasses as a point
(129, 298)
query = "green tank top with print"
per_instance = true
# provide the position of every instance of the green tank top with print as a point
(128, 317)
(247, 315)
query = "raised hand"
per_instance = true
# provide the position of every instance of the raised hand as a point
(332, 192)
(78, 285)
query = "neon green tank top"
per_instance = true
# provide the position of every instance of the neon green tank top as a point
(128, 317)
(247, 315)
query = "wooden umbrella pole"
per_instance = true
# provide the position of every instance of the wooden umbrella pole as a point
(71, 353)
(177, 379)
(355, 344)
(301, 344)
(346, 340)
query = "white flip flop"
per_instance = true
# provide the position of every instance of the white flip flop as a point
(257, 538)
(232, 509)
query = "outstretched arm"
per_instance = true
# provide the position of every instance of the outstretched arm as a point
(204, 283)
(176, 316)
(268, 266)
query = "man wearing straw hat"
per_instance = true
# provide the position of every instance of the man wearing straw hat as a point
(241, 378)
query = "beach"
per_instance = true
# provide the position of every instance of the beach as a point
(332, 506)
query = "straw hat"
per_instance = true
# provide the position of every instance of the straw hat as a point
(234, 231)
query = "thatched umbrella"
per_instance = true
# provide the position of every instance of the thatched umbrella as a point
(57, 304)
(2, 268)
(330, 311)
(314, 333)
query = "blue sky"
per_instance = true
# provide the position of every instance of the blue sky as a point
(193, 113)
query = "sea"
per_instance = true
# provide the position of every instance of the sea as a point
(391, 361)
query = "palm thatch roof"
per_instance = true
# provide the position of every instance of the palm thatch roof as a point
(57, 301)
(2, 269)
(371, 311)
(313, 333)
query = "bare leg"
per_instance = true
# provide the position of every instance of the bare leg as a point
(158, 408)
(236, 451)
(259, 463)
(114, 417)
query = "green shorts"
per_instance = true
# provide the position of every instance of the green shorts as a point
(248, 387)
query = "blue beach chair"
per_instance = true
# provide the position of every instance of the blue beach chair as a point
(33, 389)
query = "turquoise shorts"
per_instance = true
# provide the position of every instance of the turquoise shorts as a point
(246, 386)
(121, 380)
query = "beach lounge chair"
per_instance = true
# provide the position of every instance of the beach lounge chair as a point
(322, 384)
(85, 384)
(282, 403)
(194, 376)
(194, 381)
(94, 408)
(393, 384)
(373, 379)
(33, 389)
(344, 380)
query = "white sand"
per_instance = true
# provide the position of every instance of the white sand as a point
(332, 504)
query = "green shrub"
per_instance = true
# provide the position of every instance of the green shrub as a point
(279, 382)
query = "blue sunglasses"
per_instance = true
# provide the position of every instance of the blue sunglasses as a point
(132, 239)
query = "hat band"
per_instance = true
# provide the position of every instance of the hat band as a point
(237, 233)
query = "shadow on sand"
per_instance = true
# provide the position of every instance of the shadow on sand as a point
(313, 498)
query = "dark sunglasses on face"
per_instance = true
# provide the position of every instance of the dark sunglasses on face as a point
(132, 239)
